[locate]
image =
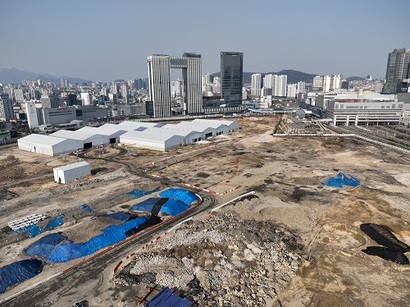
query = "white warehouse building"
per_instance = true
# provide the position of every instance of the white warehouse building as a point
(155, 136)
(88, 138)
(48, 145)
(163, 141)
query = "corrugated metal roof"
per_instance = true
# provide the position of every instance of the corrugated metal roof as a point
(73, 166)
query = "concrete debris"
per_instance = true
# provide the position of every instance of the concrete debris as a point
(236, 262)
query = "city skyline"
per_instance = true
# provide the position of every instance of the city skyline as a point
(107, 40)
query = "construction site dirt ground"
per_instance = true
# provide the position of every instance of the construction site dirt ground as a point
(286, 174)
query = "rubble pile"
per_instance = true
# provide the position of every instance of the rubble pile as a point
(230, 261)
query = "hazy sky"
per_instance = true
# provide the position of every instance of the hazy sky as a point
(103, 40)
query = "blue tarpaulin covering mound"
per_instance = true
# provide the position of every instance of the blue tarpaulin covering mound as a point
(43, 247)
(136, 193)
(16, 272)
(110, 235)
(173, 207)
(122, 216)
(32, 230)
(166, 298)
(341, 180)
(178, 201)
(86, 208)
(180, 194)
(54, 222)
(145, 205)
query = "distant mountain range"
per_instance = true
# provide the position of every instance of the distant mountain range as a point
(16, 76)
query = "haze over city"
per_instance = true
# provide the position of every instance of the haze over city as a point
(107, 40)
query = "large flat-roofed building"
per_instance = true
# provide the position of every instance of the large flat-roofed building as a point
(362, 109)
(159, 83)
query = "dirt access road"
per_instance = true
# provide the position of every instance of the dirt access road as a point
(285, 173)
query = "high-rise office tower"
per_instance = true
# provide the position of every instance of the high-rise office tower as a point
(232, 77)
(256, 85)
(398, 68)
(6, 108)
(159, 83)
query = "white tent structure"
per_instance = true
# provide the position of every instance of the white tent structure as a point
(190, 136)
(204, 129)
(71, 172)
(163, 141)
(88, 138)
(47, 144)
(137, 126)
(216, 123)
(112, 132)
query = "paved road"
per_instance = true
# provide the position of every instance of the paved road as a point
(53, 291)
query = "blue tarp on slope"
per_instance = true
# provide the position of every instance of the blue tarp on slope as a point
(178, 201)
(136, 193)
(33, 230)
(180, 194)
(165, 298)
(173, 207)
(16, 272)
(145, 205)
(122, 216)
(54, 222)
(44, 246)
(110, 235)
(341, 180)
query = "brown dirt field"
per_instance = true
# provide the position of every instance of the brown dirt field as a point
(286, 173)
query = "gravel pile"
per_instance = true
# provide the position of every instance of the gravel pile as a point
(229, 261)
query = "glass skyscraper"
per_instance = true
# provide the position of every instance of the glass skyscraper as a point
(231, 77)
(398, 68)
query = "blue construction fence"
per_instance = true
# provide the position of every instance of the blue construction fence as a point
(341, 180)
(16, 272)
(178, 201)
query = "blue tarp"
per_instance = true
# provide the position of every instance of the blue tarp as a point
(110, 235)
(180, 194)
(16, 272)
(145, 205)
(173, 207)
(33, 230)
(43, 247)
(122, 216)
(136, 193)
(341, 180)
(54, 222)
(179, 201)
(166, 298)
(86, 208)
